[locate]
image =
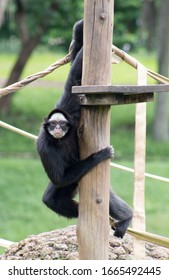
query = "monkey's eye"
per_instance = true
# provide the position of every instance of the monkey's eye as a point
(53, 123)
(63, 123)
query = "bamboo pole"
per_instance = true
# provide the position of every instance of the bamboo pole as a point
(93, 222)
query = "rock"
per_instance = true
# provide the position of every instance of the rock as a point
(159, 253)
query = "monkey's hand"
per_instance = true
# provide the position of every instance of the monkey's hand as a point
(109, 152)
(105, 153)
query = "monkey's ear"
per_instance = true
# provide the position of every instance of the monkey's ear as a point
(45, 121)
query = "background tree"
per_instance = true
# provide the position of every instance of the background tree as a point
(154, 22)
(126, 23)
(28, 43)
(34, 20)
(3, 4)
(148, 23)
(161, 121)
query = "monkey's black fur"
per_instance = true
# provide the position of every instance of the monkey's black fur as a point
(60, 157)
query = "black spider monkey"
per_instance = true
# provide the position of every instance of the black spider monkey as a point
(58, 147)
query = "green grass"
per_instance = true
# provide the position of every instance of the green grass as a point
(23, 180)
(22, 185)
(156, 194)
(37, 62)
(121, 73)
(36, 101)
(125, 74)
(7, 61)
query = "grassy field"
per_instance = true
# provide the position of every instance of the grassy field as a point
(22, 178)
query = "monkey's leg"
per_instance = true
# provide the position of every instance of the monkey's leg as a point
(60, 200)
(120, 211)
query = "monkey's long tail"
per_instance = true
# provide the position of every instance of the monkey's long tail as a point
(146, 236)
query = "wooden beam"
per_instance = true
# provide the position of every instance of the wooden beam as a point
(125, 89)
(115, 99)
(93, 222)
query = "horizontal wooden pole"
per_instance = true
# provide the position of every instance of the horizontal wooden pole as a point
(125, 89)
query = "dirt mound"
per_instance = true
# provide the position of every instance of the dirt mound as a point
(62, 244)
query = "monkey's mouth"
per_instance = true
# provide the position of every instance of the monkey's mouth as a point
(58, 134)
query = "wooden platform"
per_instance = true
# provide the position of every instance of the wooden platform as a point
(117, 95)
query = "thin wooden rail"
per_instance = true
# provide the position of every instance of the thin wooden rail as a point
(5, 243)
(115, 165)
(17, 130)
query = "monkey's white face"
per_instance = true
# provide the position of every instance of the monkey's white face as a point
(58, 125)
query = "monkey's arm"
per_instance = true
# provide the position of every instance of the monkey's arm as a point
(76, 171)
(77, 40)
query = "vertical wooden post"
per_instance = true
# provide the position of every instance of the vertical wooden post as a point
(93, 222)
(139, 168)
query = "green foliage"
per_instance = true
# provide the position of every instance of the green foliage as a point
(126, 22)
(55, 17)
(9, 25)
(22, 211)
(52, 14)
(58, 16)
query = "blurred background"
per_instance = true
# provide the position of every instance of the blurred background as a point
(33, 35)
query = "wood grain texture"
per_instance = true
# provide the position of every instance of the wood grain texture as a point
(93, 222)
(115, 99)
(138, 222)
(125, 89)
